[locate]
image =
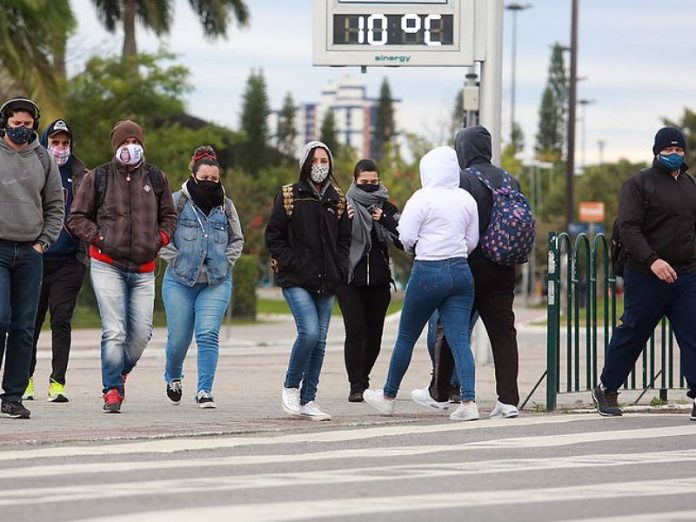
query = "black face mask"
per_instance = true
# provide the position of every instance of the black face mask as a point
(206, 194)
(368, 188)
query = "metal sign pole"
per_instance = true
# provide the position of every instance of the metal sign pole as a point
(492, 75)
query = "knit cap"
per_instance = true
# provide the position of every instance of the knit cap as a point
(668, 137)
(126, 129)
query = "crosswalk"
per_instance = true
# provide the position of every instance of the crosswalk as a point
(533, 468)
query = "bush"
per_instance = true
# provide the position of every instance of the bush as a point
(244, 287)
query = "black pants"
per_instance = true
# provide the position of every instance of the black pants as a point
(62, 280)
(494, 295)
(363, 309)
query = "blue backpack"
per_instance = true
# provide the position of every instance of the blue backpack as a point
(509, 238)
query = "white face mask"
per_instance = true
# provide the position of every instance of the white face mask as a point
(60, 154)
(130, 154)
(319, 173)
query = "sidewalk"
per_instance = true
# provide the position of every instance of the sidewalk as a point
(253, 360)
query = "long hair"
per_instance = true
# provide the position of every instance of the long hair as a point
(307, 168)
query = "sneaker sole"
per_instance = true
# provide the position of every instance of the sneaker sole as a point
(18, 416)
(58, 398)
(207, 406)
(431, 405)
(111, 410)
(377, 406)
(316, 417)
(290, 412)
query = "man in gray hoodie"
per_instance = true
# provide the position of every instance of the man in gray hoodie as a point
(31, 217)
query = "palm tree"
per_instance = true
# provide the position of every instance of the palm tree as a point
(33, 38)
(157, 15)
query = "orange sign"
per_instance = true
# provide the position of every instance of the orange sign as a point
(591, 211)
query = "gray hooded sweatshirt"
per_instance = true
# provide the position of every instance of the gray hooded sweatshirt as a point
(31, 202)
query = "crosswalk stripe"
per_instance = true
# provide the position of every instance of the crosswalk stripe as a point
(301, 510)
(191, 444)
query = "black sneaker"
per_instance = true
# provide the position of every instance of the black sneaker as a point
(174, 391)
(693, 412)
(606, 402)
(355, 396)
(14, 410)
(205, 400)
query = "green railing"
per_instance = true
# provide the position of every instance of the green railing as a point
(583, 297)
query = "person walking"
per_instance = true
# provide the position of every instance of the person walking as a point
(308, 238)
(65, 264)
(656, 220)
(124, 211)
(198, 281)
(440, 225)
(365, 298)
(494, 284)
(31, 217)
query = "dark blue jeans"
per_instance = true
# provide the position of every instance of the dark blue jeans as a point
(21, 268)
(646, 301)
(448, 287)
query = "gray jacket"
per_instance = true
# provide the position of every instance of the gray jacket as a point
(31, 201)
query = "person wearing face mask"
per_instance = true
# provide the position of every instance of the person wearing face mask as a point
(124, 211)
(657, 219)
(31, 218)
(65, 263)
(365, 297)
(308, 238)
(198, 282)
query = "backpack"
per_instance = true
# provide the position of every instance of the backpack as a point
(617, 250)
(509, 238)
(101, 179)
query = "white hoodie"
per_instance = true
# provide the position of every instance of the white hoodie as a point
(440, 220)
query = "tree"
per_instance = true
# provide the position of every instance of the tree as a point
(517, 136)
(254, 123)
(157, 15)
(287, 133)
(553, 111)
(457, 115)
(687, 124)
(327, 132)
(32, 51)
(385, 129)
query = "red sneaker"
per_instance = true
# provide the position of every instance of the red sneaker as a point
(112, 401)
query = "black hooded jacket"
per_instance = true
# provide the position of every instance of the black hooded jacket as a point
(473, 146)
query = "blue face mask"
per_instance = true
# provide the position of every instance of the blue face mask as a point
(19, 135)
(671, 161)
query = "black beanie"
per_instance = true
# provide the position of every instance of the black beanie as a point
(668, 137)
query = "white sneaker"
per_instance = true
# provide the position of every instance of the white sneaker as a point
(507, 411)
(311, 411)
(291, 401)
(466, 412)
(375, 398)
(422, 396)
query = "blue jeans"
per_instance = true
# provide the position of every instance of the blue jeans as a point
(200, 308)
(646, 301)
(448, 287)
(312, 313)
(21, 270)
(126, 301)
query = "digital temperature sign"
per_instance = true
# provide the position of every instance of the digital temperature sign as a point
(390, 32)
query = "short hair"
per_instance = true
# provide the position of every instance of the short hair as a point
(364, 165)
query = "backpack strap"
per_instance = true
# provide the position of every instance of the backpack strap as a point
(288, 199)
(100, 183)
(480, 177)
(156, 179)
(181, 203)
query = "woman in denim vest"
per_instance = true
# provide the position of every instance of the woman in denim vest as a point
(198, 282)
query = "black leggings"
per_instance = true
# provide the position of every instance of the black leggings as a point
(363, 309)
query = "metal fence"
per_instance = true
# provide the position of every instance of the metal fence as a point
(585, 300)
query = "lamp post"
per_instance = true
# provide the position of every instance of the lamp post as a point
(514, 8)
(572, 95)
(584, 102)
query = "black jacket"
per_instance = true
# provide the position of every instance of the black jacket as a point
(311, 247)
(373, 269)
(657, 219)
(473, 146)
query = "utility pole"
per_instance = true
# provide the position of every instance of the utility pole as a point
(584, 102)
(572, 95)
(601, 144)
(515, 8)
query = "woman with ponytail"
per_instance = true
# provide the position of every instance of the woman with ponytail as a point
(198, 281)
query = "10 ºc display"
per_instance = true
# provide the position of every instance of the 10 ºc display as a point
(393, 29)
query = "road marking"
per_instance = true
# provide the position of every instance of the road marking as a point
(344, 507)
(324, 476)
(176, 445)
(667, 516)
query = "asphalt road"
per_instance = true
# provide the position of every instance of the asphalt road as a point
(535, 468)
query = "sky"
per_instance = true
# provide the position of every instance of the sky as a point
(634, 61)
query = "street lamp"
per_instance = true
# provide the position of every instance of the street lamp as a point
(515, 8)
(584, 102)
(572, 91)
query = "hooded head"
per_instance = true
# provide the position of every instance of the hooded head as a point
(306, 156)
(439, 168)
(126, 129)
(473, 146)
(55, 128)
(58, 139)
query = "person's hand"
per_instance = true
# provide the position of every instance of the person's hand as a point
(351, 210)
(377, 213)
(38, 247)
(663, 271)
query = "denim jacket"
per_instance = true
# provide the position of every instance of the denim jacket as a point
(209, 244)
